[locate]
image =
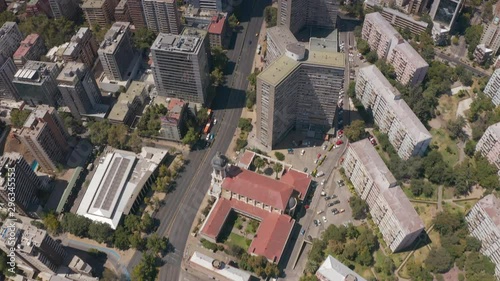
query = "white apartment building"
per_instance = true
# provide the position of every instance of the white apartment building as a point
(389, 207)
(162, 16)
(278, 37)
(409, 66)
(492, 89)
(10, 38)
(116, 52)
(489, 145)
(380, 35)
(491, 35)
(483, 221)
(391, 113)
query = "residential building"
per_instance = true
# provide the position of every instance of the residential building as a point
(98, 12)
(278, 37)
(393, 116)
(389, 207)
(266, 199)
(299, 90)
(333, 270)
(45, 137)
(7, 70)
(31, 48)
(215, 5)
(64, 8)
(173, 125)
(443, 14)
(217, 31)
(10, 38)
(36, 83)
(38, 7)
(482, 53)
(409, 66)
(180, 65)
(162, 16)
(223, 271)
(128, 104)
(296, 14)
(491, 35)
(489, 145)
(121, 11)
(398, 19)
(82, 48)
(380, 35)
(492, 89)
(136, 13)
(119, 184)
(79, 89)
(116, 51)
(13, 168)
(483, 221)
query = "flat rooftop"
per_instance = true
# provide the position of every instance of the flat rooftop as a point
(70, 71)
(217, 24)
(411, 55)
(281, 36)
(491, 205)
(226, 271)
(76, 40)
(93, 4)
(382, 25)
(121, 107)
(495, 129)
(35, 72)
(113, 37)
(188, 42)
(26, 45)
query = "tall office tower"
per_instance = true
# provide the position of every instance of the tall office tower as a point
(409, 66)
(299, 90)
(162, 16)
(13, 168)
(278, 37)
(82, 48)
(98, 12)
(36, 83)
(7, 70)
(380, 35)
(489, 145)
(136, 13)
(10, 38)
(483, 221)
(443, 14)
(180, 65)
(391, 113)
(78, 88)
(390, 209)
(492, 89)
(116, 51)
(122, 12)
(31, 48)
(295, 14)
(45, 137)
(491, 35)
(64, 8)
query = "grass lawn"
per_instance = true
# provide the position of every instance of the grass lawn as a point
(252, 226)
(448, 107)
(447, 147)
(426, 212)
(467, 204)
(238, 240)
(448, 193)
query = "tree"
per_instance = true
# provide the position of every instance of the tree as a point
(439, 260)
(251, 99)
(219, 57)
(202, 116)
(363, 46)
(146, 270)
(464, 75)
(473, 36)
(217, 77)
(280, 156)
(135, 142)
(355, 131)
(75, 224)
(100, 232)
(359, 207)
(419, 273)
(233, 22)
(371, 57)
(121, 238)
(455, 128)
(252, 78)
(479, 268)
(132, 223)
(240, 144)
(6, 16)
(98, 132)
(143, 38)
(156, 244)
(470, 148)
(137, 242)
(277, 168)
(117, 136)
(191, 137)
(4, 266)
(258, 163)
(486, 173)
(271, 16)
(245, 124)
(53, 31)
(52, 224)
(147, 223)
(446, 222)
(420, 187)
(18, 117)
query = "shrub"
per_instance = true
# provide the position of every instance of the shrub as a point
(280, 156)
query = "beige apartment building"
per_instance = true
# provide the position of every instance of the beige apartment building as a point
(136, 13)
(389, 207)
(82, 48)
(116, 52)
(278, 37)
(162, 16)
(409, 66)
(489, 144)
(491, 35)
(122, 12)
(391, 113)
(99, 12)
(296, 14)
(380, 35)
(492, 89)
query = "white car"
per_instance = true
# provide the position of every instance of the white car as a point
(208, 137)
(215, 121)
(324, 219)
(323, 182)
(302, 152)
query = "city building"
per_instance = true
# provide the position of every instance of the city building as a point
(33, 247)
(45, 137)
(180, 65)
(119, 184)
(215, 5)
(3, 5)
(31, 48)
(122, 12)
(393, 116)
(266, 199)
(173, 125)
(55, 54)
(296, 14)
(116, 51)
(79, 89)
(333, 270)
(136, 13)
(278, 37)
(223, 271)
(162, 16)
(482, 53)
(409, 66)
(398, 19)
(443, 14)
(489, 145)
(7, 70)
(299, 90)
(200, 18)
(380, 35)
(64, 8)
(492, 89)
(217, 31)
(38, 7)
(98, 12)
(10, 38)
(389, 207)
(36, 83)
(13, 168)
(483, 221)
(128, 104)
(491, 35)
(82, 48)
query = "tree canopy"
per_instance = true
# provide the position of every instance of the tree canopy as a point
(18, 117)
(143, 38)
(53, 31)
(355, 131)
(271, 16)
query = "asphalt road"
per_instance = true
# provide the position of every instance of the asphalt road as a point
(457, 61)
(181, 206)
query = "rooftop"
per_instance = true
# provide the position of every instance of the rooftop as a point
(411, 55)
(217, 24)
(188, 42)
(113, 37)
(491, 205)
(93, 4)
(6, 27)
(121, 5)
(495, 129)
(26, 45)
(121, 107)
(402, 209)
(382, 24)
(35, 72)
(76, 40)
(333, 270)
(175, 108)
(70, 71)
(399, 14)
(324, 44)
(281, 36)
(228, 272)
(31, 237)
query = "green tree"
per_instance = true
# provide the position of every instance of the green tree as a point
(251, 98)
(100, 232)
(233, 22)
(470, 148)
(280, 156)
(132, 223)
(217, 77)
(75, 224)
(143, 38)
(117, 136)
(362, 46)
(359, 208)
(219, 57)
(455, 128)
(245, 124)
(447, 223)
(4, 267)
(258, 163)
(18, 117)
(134, 142)
(252, 78)
(157, 244)
(240, 144)
(439, 260)
(371, 57)
(419, 273)
(479, 268)
(355, 131)
(486, 173)
(147, 222)
(52, 223)
(271, 16)
(202, 116)
(146, 270)
(53, 31)
(137, 242)
(121, 238)
(277, 168)
(191, 137)
(473, 36)
(6, 16)
(98, 132)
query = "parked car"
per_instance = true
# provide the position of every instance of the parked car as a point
(328, 198)
(336, 202)
(341, 211)
(208, 137)
(335, 211)
(303, 231)
(323, 182)
(323, 193)
(319, 212)
(316, 222)
(330, 204)
(305, 169)
(215, 121)
(324, 219)
(339, 142)
(334, 196)
(320, 174)
(340, 181)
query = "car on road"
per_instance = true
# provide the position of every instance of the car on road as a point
(339, 142)
(320, 174)
(336, 202)
(317, 222)
(303, 231)
(319, 212)
(330, 204)
(328, 198)
(323, 182)
(215, 121)
(256, 34)
(324, 147)
(212, 136)
(324, 219)
(319, 155)
(302, 152)
(340, 181)
(208, 137)
(335, 211)
(341, 210)
(323, 193)
(334, 196)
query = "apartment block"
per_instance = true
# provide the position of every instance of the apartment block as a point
(116, 51)
(214, 5)
(38, 7)
(489, 145)
(483, 221)
(391, 113)
(180, 65)
(31, 48)
(380, 35)
(409, 66)
(297, 14)
(491, 35)
(98, 12)
(82, 48)
(36, 83)
(122, 12)
(136, 13)
(162, 16)
(482, 53)
(492, 89)
(7, 70)
(128, 104)
(45, 137)
(10, 38)
(14, 169)
(278, 37)
(217, 31)
(299, 90)
(398, 19)
(79, 89)
(389, 207)
(173, 125)
(64, 8)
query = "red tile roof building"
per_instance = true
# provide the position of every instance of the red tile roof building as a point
(217, 31)
(31, 48)
(173, 125)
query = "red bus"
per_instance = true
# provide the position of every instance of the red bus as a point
(207, 128)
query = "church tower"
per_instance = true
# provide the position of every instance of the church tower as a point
(219, 164)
